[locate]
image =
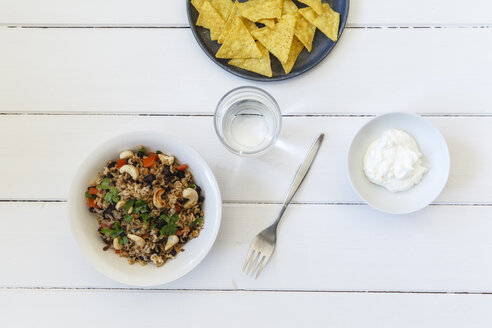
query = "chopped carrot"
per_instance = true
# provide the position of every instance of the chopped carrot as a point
(151, 154)
(116, 251)
(120, 163)
(182, 167)
(91, 203)
(92, 191)
(103, 225)
(177, 208)
(149, 161)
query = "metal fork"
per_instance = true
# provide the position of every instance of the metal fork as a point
(264, 243)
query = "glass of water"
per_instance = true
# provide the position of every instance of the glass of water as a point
(248, 121)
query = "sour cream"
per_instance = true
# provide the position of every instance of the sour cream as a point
(394, 161)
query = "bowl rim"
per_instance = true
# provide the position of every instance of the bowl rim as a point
(428, 125)
(214, 189)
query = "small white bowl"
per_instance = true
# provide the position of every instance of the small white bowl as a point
(84, 224)
(431, 144)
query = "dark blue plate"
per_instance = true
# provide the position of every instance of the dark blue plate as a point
(322, 46)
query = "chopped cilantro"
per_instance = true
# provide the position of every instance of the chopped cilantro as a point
(192, 186)
(171, 227)
(129, 204)
(140, 207)
(113, 233)
(87, 195)
(128, 218)
(145, 217)
(159, 152)
(104, 184)
(142, 150)
(112, 196)
(123, 240)
(197, 222)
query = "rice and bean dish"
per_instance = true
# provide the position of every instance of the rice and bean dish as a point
(147, 206)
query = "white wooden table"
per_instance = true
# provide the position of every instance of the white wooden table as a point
(75, 72)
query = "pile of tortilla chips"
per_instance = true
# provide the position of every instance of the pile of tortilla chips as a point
(287, 30)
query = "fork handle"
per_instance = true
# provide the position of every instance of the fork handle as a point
(300, 175)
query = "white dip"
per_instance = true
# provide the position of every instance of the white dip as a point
(394, 161)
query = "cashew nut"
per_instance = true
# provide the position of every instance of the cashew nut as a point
(158, 201)
(126, 154)
(192, 196)
(120, 204)
(168, 160)
(157, 259)
(116, 244)
(131, 170)
(139, 241)
(171, 241)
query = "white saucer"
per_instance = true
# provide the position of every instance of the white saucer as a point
(435, 152)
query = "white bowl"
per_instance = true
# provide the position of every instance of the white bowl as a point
(433, 147)
(84, 224)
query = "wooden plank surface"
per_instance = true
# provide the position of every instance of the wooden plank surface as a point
(42, 153)
(436, 71)
(244, 309)
(173, 13)
(320, 248)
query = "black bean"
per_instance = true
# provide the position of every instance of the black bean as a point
(160, 224)
(200, 199)
(173, 252)
(91, 209)
(111, 164)
(166, 170)
(198, 189)
(140, 154)
(105, 248)
(149, 178)
(180, 174)
(109, 176)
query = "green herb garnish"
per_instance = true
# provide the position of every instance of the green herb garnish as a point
(141, 207)
(159, 152)
(142, 150)
(129, 204)
(104, 184)
(113, 233)
(128, 218)
(198, 222)
(145, 217)
(192, 186)
(87, 195)
(123, 240)
(112, 196)
(171, 227)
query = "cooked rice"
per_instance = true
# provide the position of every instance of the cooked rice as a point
(150, 223)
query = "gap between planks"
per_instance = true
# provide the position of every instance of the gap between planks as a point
(348, 26)
(207, 290)
(443, 204)
(337, 115)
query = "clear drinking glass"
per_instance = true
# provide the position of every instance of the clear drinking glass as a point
(248, 121)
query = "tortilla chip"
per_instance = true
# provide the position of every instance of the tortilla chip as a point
(278, 39)
(314, 4)
(295, 50)
(229, 24)
(260, 65)
(326, 22)
(223, 7)
(239, 43)
(209, 18)
(254, 10)
(267, 22)
(289, 7)
(304, 31)
(197, 4)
